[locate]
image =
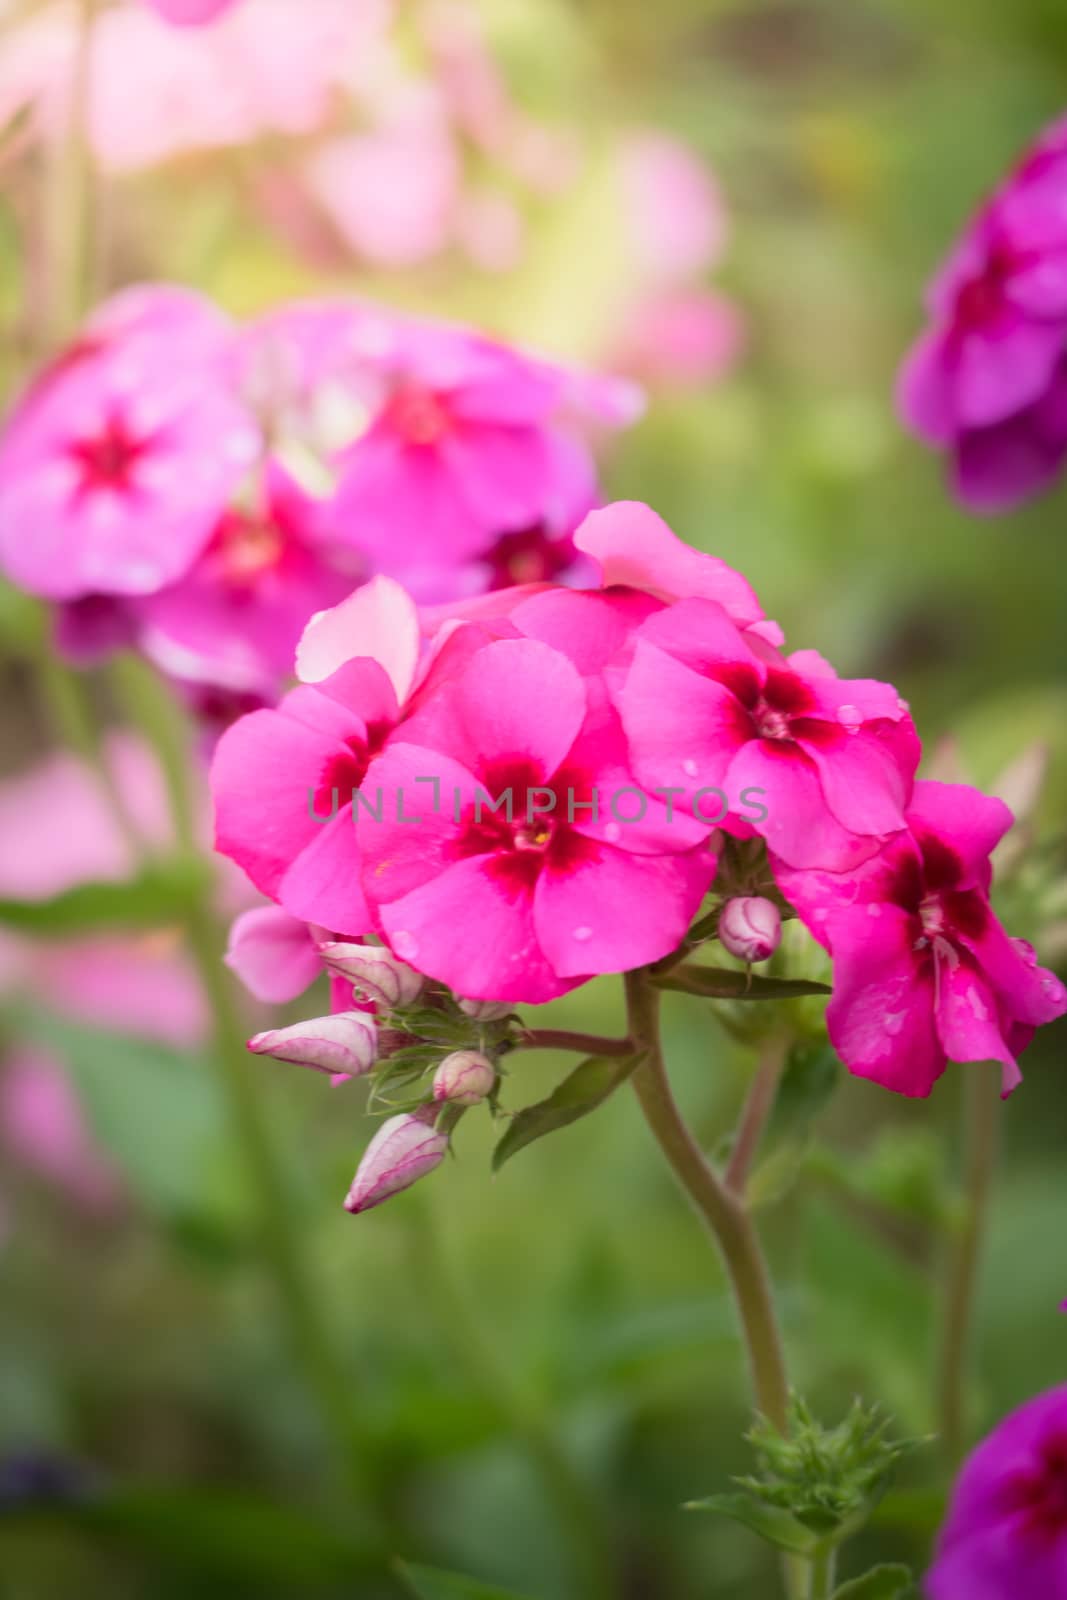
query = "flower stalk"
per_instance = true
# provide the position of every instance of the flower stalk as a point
(981, 1131)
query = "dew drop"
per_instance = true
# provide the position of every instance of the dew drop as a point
(689, 768)
(893, 1022)
(612, 831)
(874, 910)
(404, 945)
(583, 934)
(850, 718)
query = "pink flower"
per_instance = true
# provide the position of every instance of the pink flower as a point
(467, 441)
(634, 548)
(924, 973)
(527, 900)
(283, 780)
(405, 1149)
(1005, 1536)
(988, 381)
(190, 13)
(391, 192)
(124, 454)
(685, 337)
(235, 619)
(676, 214)
(41, 1125)
(828, 761)
(275, 956)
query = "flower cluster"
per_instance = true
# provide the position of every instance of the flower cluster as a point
(200, 489)
(988, 381)
(519, 792)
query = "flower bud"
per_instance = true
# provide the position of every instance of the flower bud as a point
(464, 1078)
(485, 1010)
(403, 1150)
(374, 972)
(346, 1043)
(750, 928)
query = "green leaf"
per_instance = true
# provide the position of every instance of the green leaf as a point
(591, 1083)
(162, 893)
(881, 1583)
(720, 983)
(430, 1584)
(217, 1533)
(812, 1073)
(778, 1526)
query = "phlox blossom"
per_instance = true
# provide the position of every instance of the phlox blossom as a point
(924, 973)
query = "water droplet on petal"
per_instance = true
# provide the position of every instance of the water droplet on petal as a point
(850, 718)
(612, 831)
(583, 934)
(404, 945)
(874, 910)
(689, 768)
(893, 1022)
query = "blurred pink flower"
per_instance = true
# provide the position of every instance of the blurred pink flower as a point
(123, 454)
(685, 338)
(156, 91)
(391, 192)
(42, 1127)
(190, 13)
(235, 619)
(674, 208)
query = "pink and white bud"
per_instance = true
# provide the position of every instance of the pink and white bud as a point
(403, 1150)
(750, 928)
(374, 972)
(345, 1044)
(464, 1078)
(485, 1010)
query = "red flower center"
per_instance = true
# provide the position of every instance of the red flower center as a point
(418, 415)
(1038, 1495)
(248, 547)
(108, 458)
(525, 825)
(528, 556)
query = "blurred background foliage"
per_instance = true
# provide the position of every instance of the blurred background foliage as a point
(154, 1436)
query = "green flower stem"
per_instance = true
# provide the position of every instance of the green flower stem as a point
(69, 201)
(725, 1215)
(823, 1568)
(981, 1124)
(578, 1510)
(758, 1107)
(313, 1340)
(586, 1044)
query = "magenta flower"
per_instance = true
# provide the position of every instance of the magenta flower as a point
(1005, 1537)
(924, 973)
(634, 548)
(467, 441)
(525, 901)
(283, 780)
(740, 730)
(988, 382)
(124, 454)
(235, 619)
